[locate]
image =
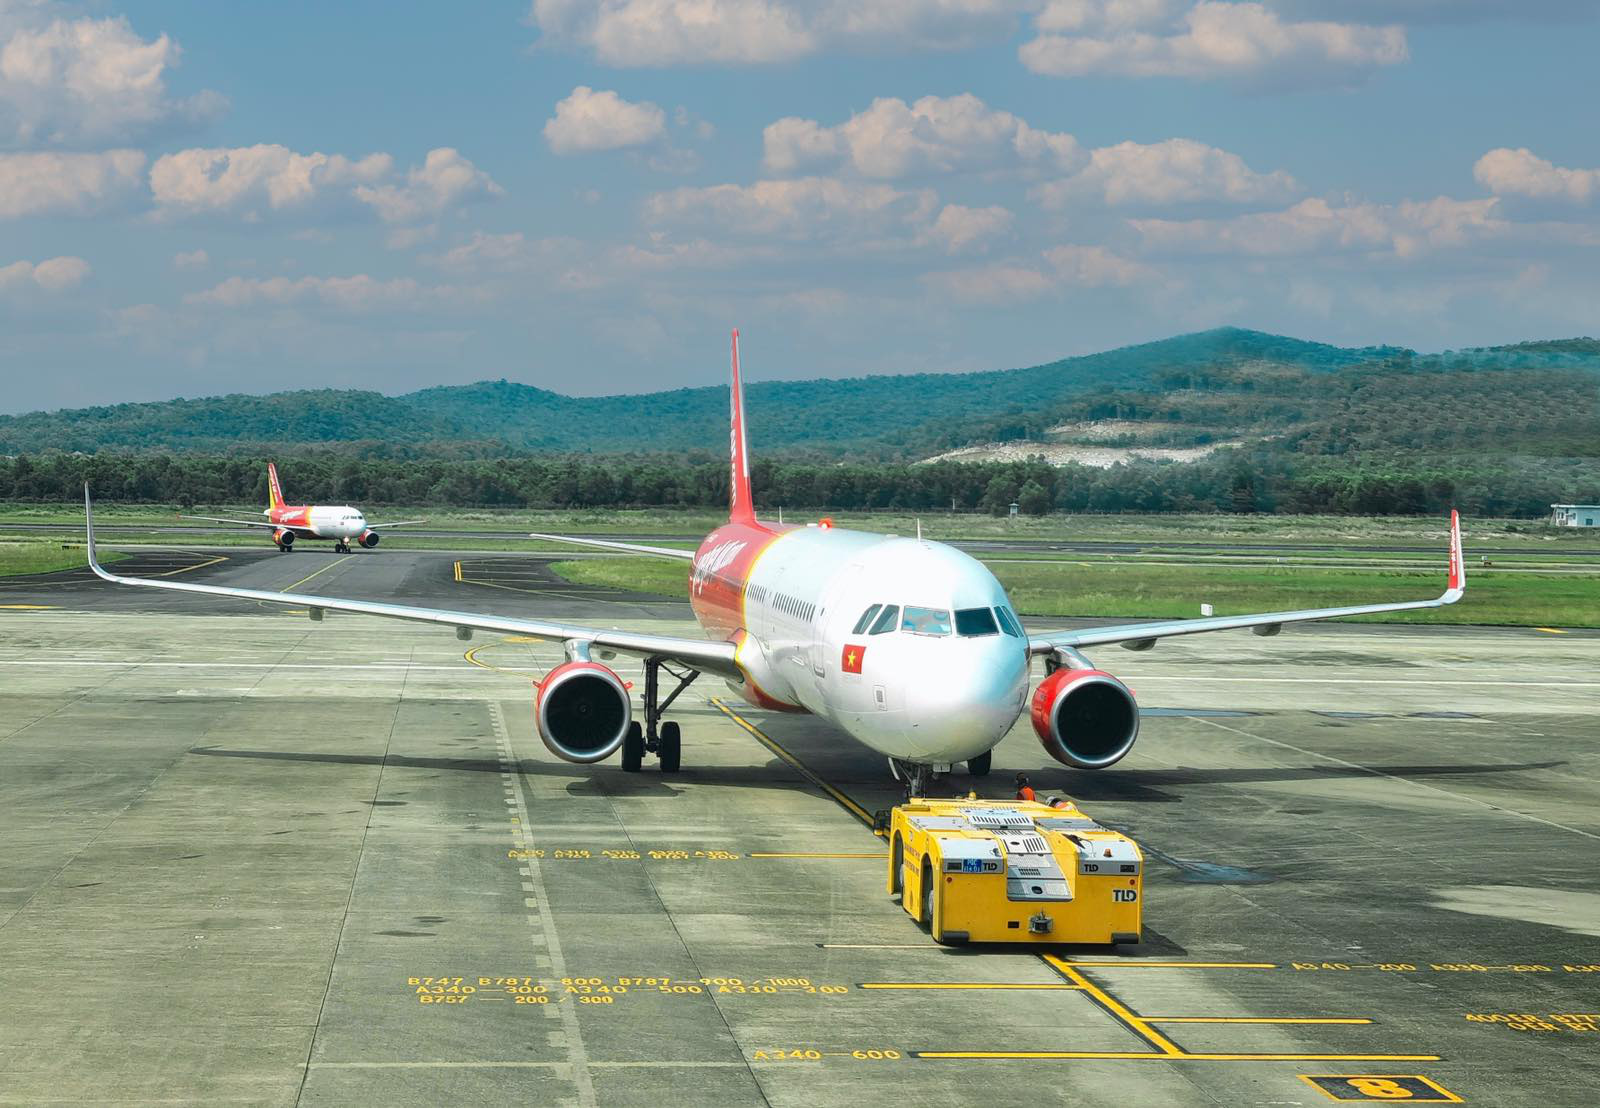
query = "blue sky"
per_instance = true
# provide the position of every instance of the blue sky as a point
(208, 198)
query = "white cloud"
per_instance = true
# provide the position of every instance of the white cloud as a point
(357, 293)
(1059, 267)
(444, 180)
(1206, 40)
(73, 81)
(753, 32)
(588, 120)
(934, 135)
(51, 275)
(1316, 226)
(250, 180)
(1176, 171)
(806, 208)
(960, 228)
(191, 259)
(38, 184)
(246, 178)
(1520, 172)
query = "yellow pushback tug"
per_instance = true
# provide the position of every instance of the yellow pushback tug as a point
(1014, 871)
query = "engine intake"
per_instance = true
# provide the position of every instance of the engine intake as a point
(1085, 718)
(368, 539)
(583, 711)
(283, 537)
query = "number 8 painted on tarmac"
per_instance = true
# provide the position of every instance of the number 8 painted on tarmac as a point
(1380, 1088)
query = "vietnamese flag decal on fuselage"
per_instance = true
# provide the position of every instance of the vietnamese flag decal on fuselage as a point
(850, 661)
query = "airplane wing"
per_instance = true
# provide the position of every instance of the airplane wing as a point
(1141, 636)
(630, 547)
(399, 523)
(702, 654)
(239, 522)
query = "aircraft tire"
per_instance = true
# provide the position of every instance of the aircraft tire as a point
(979, 766)
(633, 748)
(670, 747)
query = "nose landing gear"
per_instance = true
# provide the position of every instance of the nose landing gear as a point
(341, 547)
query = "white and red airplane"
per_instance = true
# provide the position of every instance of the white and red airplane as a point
(311, 521)
(907, 645)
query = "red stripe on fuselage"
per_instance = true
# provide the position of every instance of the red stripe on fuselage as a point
(291, 517)
(721, 570)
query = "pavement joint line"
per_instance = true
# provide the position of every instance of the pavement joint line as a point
(1403, 780)
(350, 897)
(552, 959)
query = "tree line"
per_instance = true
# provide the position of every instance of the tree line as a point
(1233, 480)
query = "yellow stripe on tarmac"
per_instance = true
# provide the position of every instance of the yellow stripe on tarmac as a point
(1049, 986)
(1132, 963)
(309, 576)
(798, 766)
(1130, 1055)
(806, 854)
(1114, 1006)
(1551, 630)
(1252, 1019)
(28, 607)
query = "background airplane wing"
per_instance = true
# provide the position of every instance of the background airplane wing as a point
(239, 522)
(1138, 636)
(630, 547)
(701, 654)
(398, 523)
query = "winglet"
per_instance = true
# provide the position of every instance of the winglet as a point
(741, 505)
(1456, 587)
(88, 523)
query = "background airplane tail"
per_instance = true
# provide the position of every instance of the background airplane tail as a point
(274, 490)
(741, 506)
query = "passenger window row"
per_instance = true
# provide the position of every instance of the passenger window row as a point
(971, 623)
(799, 609)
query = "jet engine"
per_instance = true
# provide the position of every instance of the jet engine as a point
(583, 711)
(368, 539)
(1085, 718)
(283, 537)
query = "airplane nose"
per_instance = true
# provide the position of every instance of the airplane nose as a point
(965, 701)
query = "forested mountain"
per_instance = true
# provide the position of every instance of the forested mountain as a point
(1263, 423)
(890, 415)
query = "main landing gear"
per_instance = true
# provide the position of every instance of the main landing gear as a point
(665, 740)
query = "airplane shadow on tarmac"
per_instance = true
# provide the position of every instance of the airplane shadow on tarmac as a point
(1124, 785)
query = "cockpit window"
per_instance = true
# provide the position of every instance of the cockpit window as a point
(866, 618)
(886, 621)
(926, 621)
(972, 622)
(1009, 622)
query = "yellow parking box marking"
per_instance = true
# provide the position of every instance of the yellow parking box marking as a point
(1254, 1019)
(1114, 1006)
(1367, 1087)
(1044, 986)
(798, 766)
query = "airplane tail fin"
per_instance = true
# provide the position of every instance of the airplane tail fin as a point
(274, 490)
(741, 506)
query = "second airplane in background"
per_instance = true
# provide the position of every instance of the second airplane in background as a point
(341, 523)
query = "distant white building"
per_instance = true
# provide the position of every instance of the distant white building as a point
(1575, 515)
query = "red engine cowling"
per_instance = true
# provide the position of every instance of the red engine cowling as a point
(283, 537)
(583, 711)
(1085, 718)
(368, 539)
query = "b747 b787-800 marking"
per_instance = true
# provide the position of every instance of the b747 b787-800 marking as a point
(909, 646)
